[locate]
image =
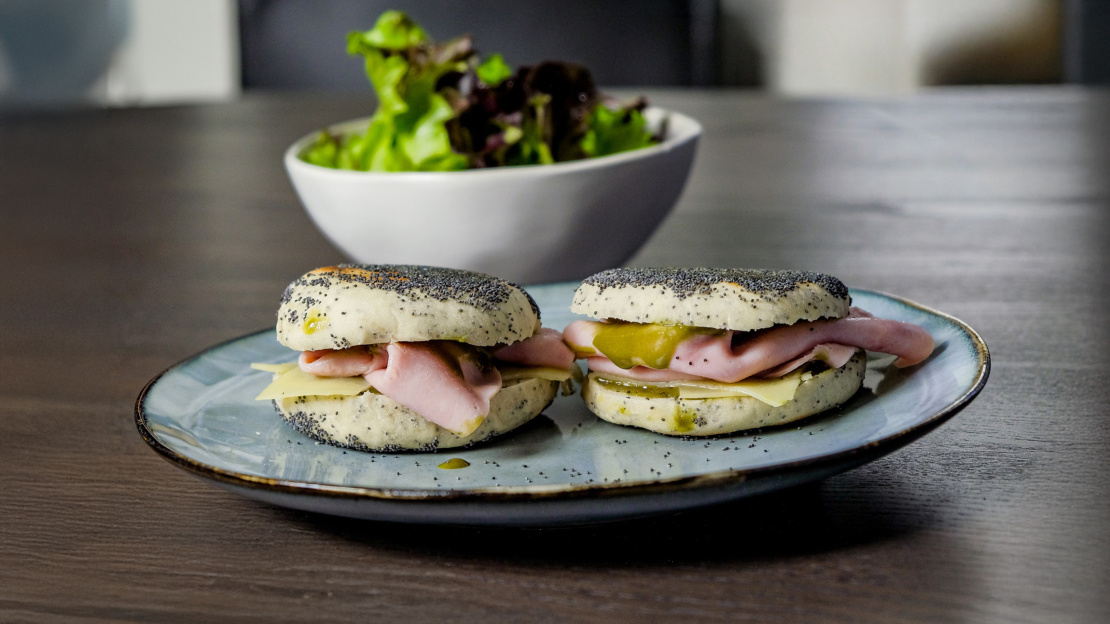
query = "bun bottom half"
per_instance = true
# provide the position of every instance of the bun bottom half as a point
(375, 423)
(707, 417)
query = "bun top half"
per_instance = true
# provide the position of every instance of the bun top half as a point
(736, 299)
(356, 304)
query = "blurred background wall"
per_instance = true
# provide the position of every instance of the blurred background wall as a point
(816, 47)
(119, 52)
(141, 52)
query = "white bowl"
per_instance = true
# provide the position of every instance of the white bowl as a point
(529, 224)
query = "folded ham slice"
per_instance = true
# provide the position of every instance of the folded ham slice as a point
(442, 381)
(446, 382)
(733, 356)
(353, 362)
(544, 348)
(444, 385)
(835, 355)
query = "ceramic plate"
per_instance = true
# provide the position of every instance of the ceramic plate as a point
(566, 466)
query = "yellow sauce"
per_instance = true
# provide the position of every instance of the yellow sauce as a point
(454, 463)
(684, 420)
(643, 344)
(631, 388)
(314, 321)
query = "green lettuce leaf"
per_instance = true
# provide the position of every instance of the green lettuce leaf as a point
(493, 71)
(407, 131)
(393, 31)
(439, 109)
(616, 130)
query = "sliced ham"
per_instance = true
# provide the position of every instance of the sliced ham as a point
(449, 387)
(835, 355)
(732, 356)
(544, 348)
(445, 382)
(579, 335)
(442, 381)
(352, 362)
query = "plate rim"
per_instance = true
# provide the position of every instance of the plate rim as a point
(515, 494)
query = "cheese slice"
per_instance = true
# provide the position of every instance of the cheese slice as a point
(511, 373)
(274, 368)
(775, 392)
(294, 382)
(291, 381)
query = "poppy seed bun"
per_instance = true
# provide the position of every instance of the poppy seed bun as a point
(737, 299)
(706, 417)
(374, 422)
(356, 304)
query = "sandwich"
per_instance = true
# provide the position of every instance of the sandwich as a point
(397, 357)
(699, 352)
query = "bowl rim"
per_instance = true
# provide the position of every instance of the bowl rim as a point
(682, 129)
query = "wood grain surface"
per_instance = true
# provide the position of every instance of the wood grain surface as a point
(132, 239)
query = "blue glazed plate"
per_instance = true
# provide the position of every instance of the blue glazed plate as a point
(564, 467)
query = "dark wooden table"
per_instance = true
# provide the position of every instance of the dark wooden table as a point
(132, 239)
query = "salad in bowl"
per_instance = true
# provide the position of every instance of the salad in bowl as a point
(530, 174)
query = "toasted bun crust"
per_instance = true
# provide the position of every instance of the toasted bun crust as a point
(355, 304)
(706, 417)
(374, 422)
(737, 299)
